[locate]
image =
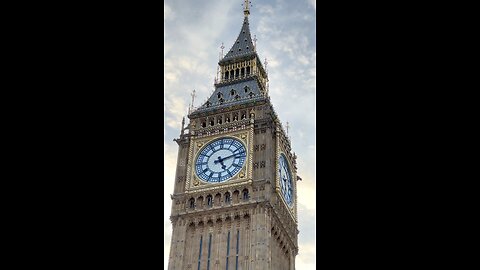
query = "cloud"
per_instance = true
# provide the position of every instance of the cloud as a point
(313, 3)
(305, 259)
(167, 13)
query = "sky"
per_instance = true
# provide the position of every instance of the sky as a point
(286, 36)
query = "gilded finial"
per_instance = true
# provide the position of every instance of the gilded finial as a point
(193, 99)
(246, 8)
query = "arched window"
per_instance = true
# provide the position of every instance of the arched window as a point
(226, 75)
(237, 73)
(246, 88)
(228, 199)
(219, 95)
(235, 196)
(191, 203)
(209, 201)
(218, 199)
(245, 194)
(248, 70)
(243, 72)
(232, 92)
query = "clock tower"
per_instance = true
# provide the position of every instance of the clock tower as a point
(234, 204)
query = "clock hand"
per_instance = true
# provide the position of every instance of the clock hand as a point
(222, 159)
(221, 162)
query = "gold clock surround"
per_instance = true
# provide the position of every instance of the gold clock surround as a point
(194, 183)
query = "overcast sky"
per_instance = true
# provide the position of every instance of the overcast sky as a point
(286, 36)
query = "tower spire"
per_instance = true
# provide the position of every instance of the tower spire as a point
(246, 8)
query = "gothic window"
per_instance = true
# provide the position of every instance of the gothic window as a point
(209, 200)
(227, 120)
(226, 75)
(218, 198)
(232, 92)
(244, 115)
(248, 69)
(237, 73)
(191, 203)
(235, 196)
(211, 122)
(231, 74)
(204, 124)
(245, 194)
(246, 88)
(219, 121)
(219, 95)
(243, 72)
(235, 116)
(227, 198)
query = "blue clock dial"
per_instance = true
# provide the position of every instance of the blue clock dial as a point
(220, 160)
(285, 179)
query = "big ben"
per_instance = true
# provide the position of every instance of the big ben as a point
(234, 204)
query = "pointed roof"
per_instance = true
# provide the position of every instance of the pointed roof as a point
(243, 46)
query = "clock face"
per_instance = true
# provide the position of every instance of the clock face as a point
(285, 179)
(220, 160)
